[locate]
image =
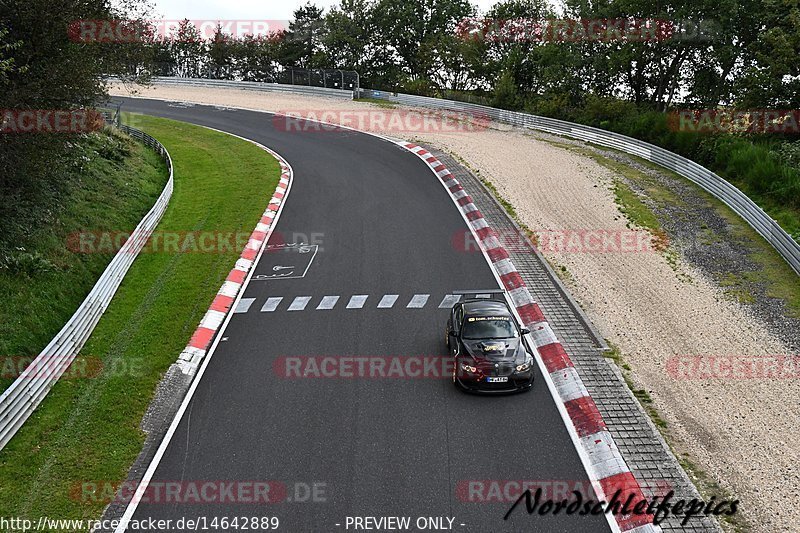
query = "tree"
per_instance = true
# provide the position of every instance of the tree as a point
(771, 75)
(303, 40)
(187, 49)
(506, 93)
(219, 54)
(45, 66)
(411, 30)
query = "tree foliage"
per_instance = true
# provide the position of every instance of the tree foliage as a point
(43, 67)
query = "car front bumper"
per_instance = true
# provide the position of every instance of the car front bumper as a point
(518, 381)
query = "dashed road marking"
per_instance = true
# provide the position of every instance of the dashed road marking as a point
(388, 301)
(328, 302)
(271, 304)
(299, 303)
(418, 301)
(449, 301)
(357, 301)
(244, 305)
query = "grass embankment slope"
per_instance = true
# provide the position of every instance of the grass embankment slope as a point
(112, 184)
(88, 429)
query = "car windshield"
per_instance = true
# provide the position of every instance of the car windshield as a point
(489, 327)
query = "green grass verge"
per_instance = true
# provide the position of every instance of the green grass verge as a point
(88, 429)
(41, 280)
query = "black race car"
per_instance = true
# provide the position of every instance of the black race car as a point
(487, 343)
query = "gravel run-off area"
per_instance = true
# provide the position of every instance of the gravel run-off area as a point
(653, 306)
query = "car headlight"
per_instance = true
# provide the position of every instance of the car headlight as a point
(526, 365)
(469, 368)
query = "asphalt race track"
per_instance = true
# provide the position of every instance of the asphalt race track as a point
(377, 223)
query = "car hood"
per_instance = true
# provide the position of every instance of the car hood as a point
(495, 349)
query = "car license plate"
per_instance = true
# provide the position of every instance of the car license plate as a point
(497, 380)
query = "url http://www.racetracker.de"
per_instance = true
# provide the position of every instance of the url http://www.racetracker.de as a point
(197, 523)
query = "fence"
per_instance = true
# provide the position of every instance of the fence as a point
(721, 189)
(30, 388)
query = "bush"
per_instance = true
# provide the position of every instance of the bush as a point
(419, 87)
(22, 262)
(506, 94)
(789, 153)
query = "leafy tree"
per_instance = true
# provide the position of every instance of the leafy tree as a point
(256, 57)
(412, 29)
(220, 54)
(187, 49)
(771, 76)
(45, 66)
(303, 40)
(506, 93)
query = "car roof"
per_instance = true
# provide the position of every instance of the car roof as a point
(485, 306)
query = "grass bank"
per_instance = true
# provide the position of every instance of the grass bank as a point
(114, 181)
(87, 429)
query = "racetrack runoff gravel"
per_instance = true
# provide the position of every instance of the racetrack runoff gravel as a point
(742, 432)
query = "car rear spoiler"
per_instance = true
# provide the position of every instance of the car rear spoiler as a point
(492, 294)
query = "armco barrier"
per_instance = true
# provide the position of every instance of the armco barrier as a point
(256, 86)
(29, 389)
(724, 191)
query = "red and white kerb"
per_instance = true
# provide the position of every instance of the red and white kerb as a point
(606, 465)
(193, 354)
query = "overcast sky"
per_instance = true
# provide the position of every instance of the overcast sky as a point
(245, 9)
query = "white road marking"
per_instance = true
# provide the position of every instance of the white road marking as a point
(449, 301)
(387, 301)
(328, 302)
(357, 301)
(243, 305)
(418, 301)
(299, 303)
(271, 304)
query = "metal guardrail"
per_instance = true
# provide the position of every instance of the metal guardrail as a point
(22, 397)
(743, 206)
(257, 86)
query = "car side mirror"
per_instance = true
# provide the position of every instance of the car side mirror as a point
(453, 333)
(524, 331)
